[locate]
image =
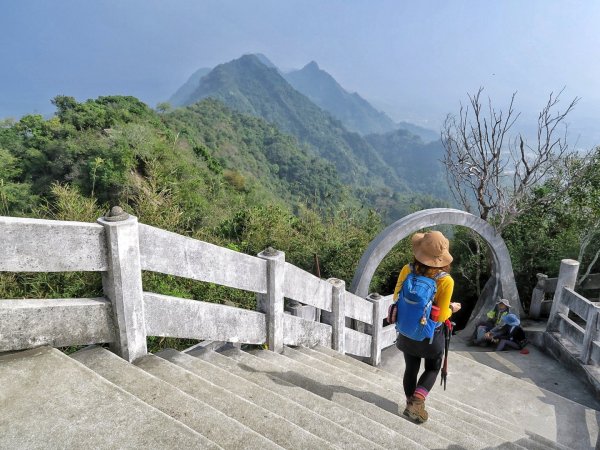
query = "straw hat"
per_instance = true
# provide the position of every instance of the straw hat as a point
(431, 249)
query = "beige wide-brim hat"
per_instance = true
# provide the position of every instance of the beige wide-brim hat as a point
(431, 249)
(505, 301)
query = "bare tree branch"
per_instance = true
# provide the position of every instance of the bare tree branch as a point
(481, 156)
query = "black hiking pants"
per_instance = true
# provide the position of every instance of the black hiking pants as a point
(411, 372)
(414, 352)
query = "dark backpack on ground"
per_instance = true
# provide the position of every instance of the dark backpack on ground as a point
(412, 312)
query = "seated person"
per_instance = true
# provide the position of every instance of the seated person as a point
(494, 319)
(508, 334)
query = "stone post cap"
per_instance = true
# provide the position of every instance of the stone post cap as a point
(116, 214)
(270, 252)
(570, 262)
(375, 296)
(336, 282)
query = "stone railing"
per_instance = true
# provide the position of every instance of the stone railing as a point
(541, 302)
(574, 316)
(121, 248)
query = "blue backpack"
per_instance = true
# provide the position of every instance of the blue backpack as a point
(415, 300)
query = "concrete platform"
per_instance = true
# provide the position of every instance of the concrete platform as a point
(532, 390)
(536, 367)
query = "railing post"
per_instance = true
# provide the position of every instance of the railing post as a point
(591, 334)
(377, 328)
(567, 276)
(338, 314)
(537, 296)
(274, 297)
(122, 283)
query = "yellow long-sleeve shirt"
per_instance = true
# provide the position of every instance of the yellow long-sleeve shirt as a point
(443, 294)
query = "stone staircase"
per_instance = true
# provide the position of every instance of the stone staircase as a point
(301, 399)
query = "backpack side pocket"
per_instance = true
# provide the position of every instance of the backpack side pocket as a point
(392, 313)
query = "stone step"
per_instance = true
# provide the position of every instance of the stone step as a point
(271, 401)
(371, 373)
(261, 373)
(529, 406)
(272, 426)
(52, 401)
(499, 426)
(439, 412)
(196, 414)
(380, 409)
(381, 376)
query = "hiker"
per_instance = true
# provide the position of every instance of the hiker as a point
(508, 334)
(494, 319)
(431, 260)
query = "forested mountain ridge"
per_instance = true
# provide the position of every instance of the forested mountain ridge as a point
(376, 167)
(248, 86)
(183, 93)
(418, 163)
(351, 109)
(106, 146)
(202, 171)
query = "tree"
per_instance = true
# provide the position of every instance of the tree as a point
(560, 219)
(490, 170)
(164, 107)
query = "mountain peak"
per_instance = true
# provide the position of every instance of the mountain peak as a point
(351, 109)
(248, 57)
(311, 66)
(266, 61)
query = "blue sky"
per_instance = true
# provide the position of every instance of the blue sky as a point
(415, 59)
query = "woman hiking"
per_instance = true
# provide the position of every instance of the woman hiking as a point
(432, 260)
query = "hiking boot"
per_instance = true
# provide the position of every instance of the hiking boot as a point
(405, 412)
(415, 410)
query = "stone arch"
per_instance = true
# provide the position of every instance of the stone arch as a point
(502, 282)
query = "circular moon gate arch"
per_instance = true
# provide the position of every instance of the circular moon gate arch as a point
(502, 282)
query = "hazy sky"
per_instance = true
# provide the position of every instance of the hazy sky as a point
(414, 59)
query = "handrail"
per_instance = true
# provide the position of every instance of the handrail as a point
(170, 253)
(584, 338)
(26, 323)
(38, 245)
(540, 305)
(121, 248)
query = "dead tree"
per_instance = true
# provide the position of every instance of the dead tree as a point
(489, 170)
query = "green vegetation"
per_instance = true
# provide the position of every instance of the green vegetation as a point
(560, 219)
(202, 171)
(249, 86)
(237, 181)
(415, 162)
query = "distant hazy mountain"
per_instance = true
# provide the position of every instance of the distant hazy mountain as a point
(249, 86)
(351, 109)
(417, 163)
(183, 93)
(424, 133)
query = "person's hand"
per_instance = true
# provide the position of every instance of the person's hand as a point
(455, 307)
(488, 335)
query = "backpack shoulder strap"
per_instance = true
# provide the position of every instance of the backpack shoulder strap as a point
(440, 275)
